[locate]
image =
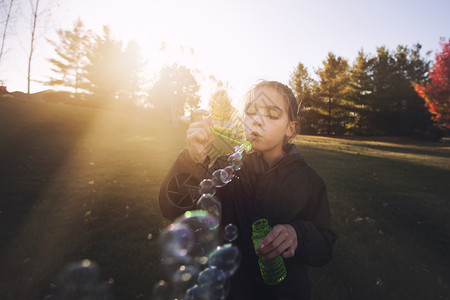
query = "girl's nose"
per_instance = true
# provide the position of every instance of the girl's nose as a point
(257, 121)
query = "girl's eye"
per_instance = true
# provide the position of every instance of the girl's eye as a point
(251, 110)
(274, 113)
(271, 112)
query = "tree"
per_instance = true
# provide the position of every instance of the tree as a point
(35, 14)
(334, 79)
(311, 106)
(394, 108)
(104, 71)
(436, 91)
(133, 69)
(361, 90)
(220, 104)
(71, 60)
(174, 91)
(7, 18)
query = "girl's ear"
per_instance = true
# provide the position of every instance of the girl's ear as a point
(291, 130)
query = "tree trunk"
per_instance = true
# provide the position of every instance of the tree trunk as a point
(329, 116)
(6, 26)
(33, 31)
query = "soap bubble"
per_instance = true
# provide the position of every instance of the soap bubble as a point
(219, 294)
(197, 293)
(226, 258)
(217, 176)
(227, 175)
(177, 239)
(185, 275)
(202, 292)
(230, 233)
(183, 279)
(212, 277)
(80, 280)
(204, 228)
(236, 160)
(161, 290)
(245, 146)
(172, 263)
(211, 205)
(207, 186)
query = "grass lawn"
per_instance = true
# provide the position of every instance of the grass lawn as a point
(79, 183)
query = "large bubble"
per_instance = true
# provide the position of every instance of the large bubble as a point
(80, 280)
(202, 292)
(197, 293)
(226, 258)
(207, 186)
(184, 278)
(217, 176)
(236, 160)
(177, 239)
(204, 228)
(211, 205)
(227, 175)
(212, 277)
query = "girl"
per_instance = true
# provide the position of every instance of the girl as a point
(274, 183)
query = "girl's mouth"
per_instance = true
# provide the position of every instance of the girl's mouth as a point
(254, 135)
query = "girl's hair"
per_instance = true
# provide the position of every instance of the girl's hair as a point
(293, 108)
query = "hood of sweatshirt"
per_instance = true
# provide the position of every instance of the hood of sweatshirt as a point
(260, 167)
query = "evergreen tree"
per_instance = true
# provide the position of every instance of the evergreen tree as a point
(394, 107)
(334, 80)
(220, 105)
(105, 69)
(311, 106)
(133, 72)
(71, 59)
(174, 91)
(360, 93)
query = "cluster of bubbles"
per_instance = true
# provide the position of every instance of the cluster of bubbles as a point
(196, 265)
(80, 280)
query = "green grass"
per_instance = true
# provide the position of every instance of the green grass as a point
(80, 183)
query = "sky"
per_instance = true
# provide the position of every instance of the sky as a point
(238, 42)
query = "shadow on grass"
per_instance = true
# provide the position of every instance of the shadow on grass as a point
(391, 217)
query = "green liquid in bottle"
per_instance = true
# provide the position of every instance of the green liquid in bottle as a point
(272, 271)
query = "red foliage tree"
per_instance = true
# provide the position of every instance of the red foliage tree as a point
(436, 92)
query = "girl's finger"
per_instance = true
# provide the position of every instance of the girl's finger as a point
(289, 252)
(199, 114)
(198, 134)
(204, 125)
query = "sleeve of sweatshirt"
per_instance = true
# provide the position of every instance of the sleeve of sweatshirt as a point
(315, 237)
(180, 185)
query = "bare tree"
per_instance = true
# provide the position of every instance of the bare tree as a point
(34, 12)
(8, 15)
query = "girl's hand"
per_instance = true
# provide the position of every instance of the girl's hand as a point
(200, 138)
(281, 240)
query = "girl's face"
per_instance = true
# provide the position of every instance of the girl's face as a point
(266, 122)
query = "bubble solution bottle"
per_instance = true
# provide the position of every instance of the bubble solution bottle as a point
(272, 271)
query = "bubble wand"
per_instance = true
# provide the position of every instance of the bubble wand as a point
(246, 146)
